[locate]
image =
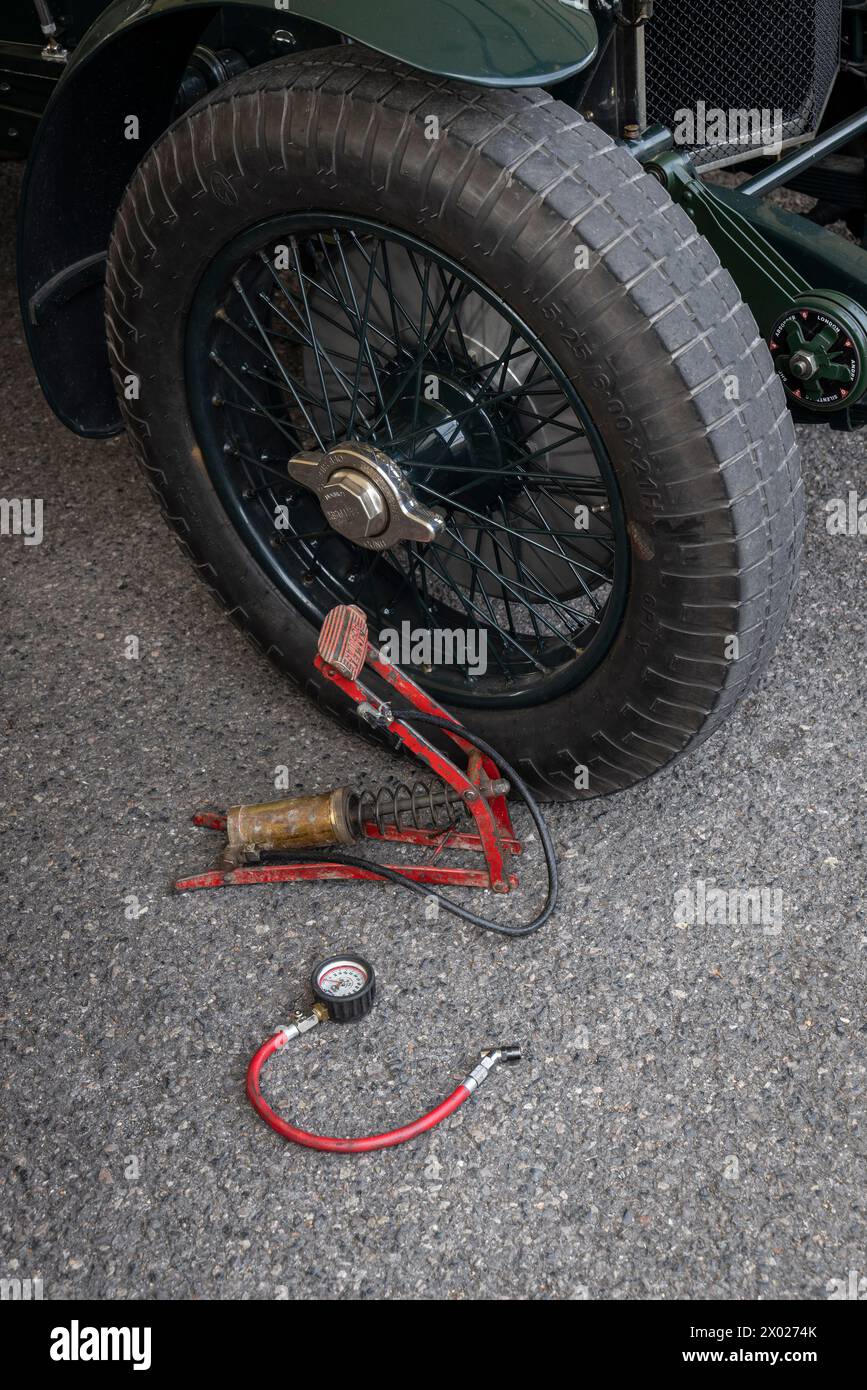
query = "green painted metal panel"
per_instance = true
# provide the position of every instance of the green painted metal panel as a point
(501, 43)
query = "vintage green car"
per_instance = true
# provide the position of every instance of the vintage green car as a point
(432, 308)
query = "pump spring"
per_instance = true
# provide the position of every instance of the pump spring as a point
(421, 806)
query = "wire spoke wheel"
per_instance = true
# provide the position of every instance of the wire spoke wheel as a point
(314, 331)
(374, 370)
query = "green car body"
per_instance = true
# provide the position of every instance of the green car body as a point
(134, 57)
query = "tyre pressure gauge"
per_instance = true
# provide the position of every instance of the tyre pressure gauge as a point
(346, 986)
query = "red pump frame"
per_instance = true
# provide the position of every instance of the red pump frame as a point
(494, 838)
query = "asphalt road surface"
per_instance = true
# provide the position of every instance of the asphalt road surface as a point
(688, 1121)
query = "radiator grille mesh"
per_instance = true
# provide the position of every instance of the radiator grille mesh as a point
(742, 55)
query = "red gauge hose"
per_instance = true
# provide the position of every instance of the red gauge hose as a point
(368, 1142)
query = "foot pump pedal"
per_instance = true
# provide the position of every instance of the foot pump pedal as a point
(465, 808)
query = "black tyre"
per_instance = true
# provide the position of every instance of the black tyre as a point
(300, 257)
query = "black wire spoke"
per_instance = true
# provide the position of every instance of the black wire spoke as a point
(440, 574)
(342, 377)
(301, 334)
(348, 306)
(523, 458)
(419, 568)
(363, 321)
(349, 299)
(236, 283)
(582, 483)
(421, 338)
(454, 319)
(373, 560)
(385, 280)
(545, 530)
(548, 422)
(537, 363)
(531, 389)
(509, 355)
(578, 539)
(542, 559)
(483, 591)
(255, 343)
(401, 441)
(415, 370)
(570, 434)
(277, 385)
(600, 516)
(574, 534)
(313, 335)
(504, 597)
(356, 386)
(352, 327)
(577, 484)
(503, 395)
(444, 574)
(500, 363)
(307, 332)
(515, 586)
(257, 408)
(433, 337)
(489, 520)
(426, 302)
(393, 304)
(548, 595)
(514, 549)
(536, 586)
(337, 343)
(594, 512)
(419, 592)
(475, 573)
(574, 570)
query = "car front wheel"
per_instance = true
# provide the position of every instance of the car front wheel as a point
(451, 355)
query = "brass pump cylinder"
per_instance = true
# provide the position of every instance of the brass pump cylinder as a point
(297, 822)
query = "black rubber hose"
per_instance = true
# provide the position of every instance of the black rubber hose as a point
(425, 890)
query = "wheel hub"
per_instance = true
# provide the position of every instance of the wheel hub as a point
(450, 426)
(365, 496)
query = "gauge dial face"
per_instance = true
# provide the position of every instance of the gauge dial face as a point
(340, 979)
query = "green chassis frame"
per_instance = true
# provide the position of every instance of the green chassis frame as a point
(775, 257)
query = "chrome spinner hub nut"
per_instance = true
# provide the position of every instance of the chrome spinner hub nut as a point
(365, 496)
(353, 505)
